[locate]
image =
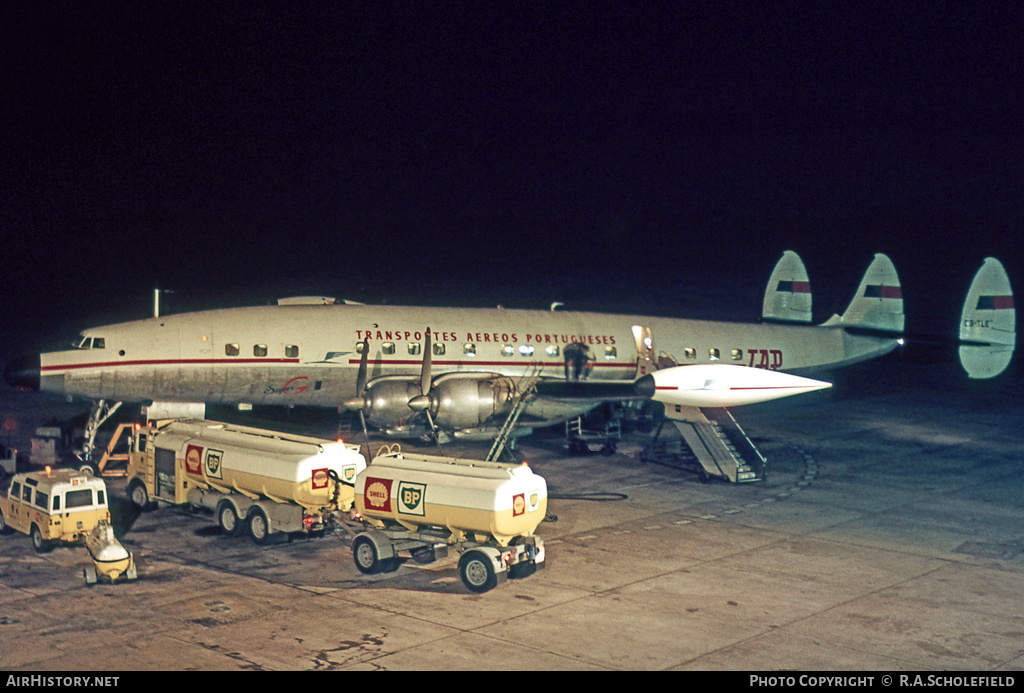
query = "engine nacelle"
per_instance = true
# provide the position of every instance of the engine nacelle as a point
(457, 400)
(467, 402)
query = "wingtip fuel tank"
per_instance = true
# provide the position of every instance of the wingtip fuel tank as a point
(725, 385)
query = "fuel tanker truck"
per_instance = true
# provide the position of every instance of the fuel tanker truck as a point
(252, 479)
(424, 504)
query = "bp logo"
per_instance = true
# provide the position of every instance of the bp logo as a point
(348, 473)
(213, 460)
(412, 498)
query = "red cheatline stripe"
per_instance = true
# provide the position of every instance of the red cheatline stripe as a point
(775, 387)
(248, 361)
(157, 362)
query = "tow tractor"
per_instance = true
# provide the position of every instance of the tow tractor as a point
(425, 505)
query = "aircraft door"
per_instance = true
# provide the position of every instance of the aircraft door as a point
(645, 362)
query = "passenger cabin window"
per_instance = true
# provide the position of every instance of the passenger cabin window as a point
(610, 353)
(388, 348)
(360, 347)
(438, 349)
(737, 354)
(525, 350)
(552, 350)
(508, 350)
(713, 354)
(231, 349)
(690, 353)
(259, 350)
(415, 348)
(469, 349)
(291, 351)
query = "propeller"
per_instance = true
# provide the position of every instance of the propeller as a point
(423, 402)
(359, 402)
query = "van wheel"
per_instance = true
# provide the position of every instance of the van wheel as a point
(227, 518)
(38, 543)
(259, 527)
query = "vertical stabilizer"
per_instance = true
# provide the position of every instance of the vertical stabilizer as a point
(878, 304)
(988, 322)
(788, 296)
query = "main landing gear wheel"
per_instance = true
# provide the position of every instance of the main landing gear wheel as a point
(477, 572)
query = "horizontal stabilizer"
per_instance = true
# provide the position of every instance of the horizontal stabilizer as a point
(988, 323)
(788, 296)
(878, 304)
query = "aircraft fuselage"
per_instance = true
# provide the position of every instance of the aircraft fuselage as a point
(308, 355)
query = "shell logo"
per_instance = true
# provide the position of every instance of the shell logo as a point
(378, 494)
(319, 479)
(518, 504)
(194, 459)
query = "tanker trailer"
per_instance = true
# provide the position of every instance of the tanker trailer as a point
(423, 504)
(258, 480)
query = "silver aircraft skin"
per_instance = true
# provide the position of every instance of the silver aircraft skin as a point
(465, 366)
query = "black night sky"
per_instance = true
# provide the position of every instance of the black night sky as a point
(513, 151)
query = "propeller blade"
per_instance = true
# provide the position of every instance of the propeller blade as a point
(421, 402)
(361, 376)
(425, 371)
(359, 401)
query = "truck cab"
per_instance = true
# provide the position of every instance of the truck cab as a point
(55, 505)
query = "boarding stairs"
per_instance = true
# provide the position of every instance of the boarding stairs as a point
(523, 397)
(708, 440)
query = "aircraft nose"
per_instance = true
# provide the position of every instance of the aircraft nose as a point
(23, 372)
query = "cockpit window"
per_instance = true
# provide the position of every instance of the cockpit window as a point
(84, 342)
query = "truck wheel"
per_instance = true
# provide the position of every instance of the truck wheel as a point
(138, 494)
(38, 543)
(477, 572)
(365, 554)
(227, 518)
(259, 527)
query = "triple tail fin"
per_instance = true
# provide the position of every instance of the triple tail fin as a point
(988, 323)
(878, 303)
(788, 296)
